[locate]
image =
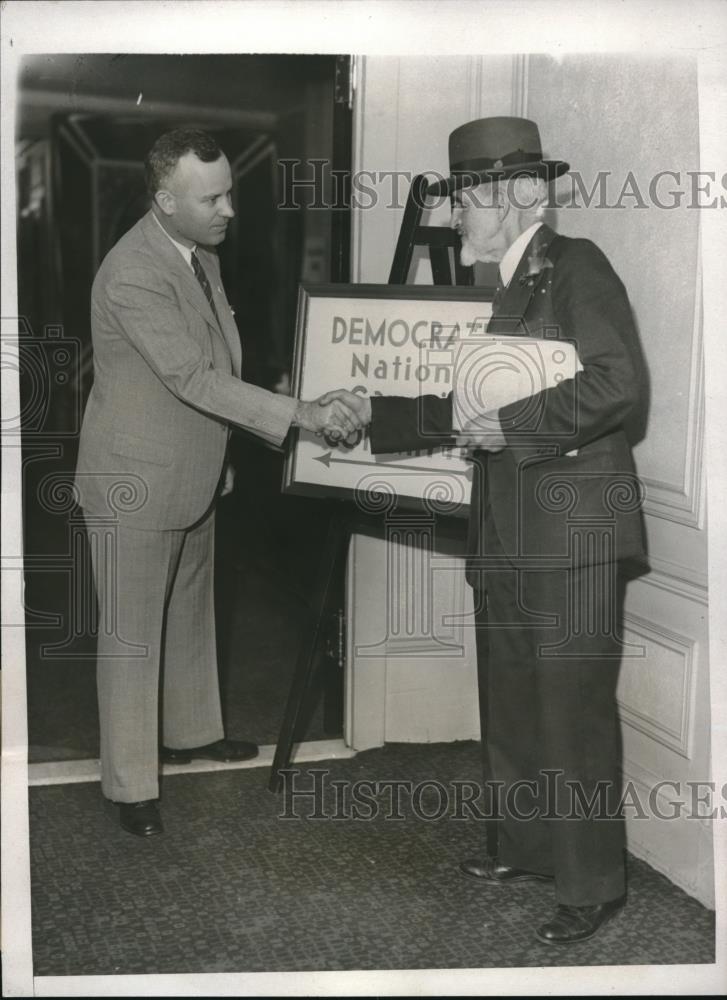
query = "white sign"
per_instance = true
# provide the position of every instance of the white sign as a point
(382, 340)
(409, 340)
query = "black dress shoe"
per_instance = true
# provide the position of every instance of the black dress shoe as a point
(493, 871)
(140, 818)
(577, 923)
(224, 751)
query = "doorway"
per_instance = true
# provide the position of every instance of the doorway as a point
(84, 126)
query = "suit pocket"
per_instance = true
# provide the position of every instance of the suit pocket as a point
(142, 449)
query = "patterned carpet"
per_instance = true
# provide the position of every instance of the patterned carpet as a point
(234, 886)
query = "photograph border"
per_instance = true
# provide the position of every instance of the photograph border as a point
(533, 26)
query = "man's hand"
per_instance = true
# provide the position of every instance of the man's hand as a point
(484, 433)
(360, 405)
(335, 415)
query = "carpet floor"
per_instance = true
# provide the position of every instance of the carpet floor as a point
(247, 881)
(244, 880)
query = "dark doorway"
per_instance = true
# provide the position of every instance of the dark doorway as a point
(84, 126)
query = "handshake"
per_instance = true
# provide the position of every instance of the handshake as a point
(334, 415)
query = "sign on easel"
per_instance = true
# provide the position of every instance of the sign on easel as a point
(407, 340)
(380, 340)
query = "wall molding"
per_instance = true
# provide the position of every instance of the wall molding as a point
(520, 68)
(357, 161)
(684, 504)
(674, 578)
(681, 503)
(475, 74)
(678, 740)
(696, 879)
(667, 795)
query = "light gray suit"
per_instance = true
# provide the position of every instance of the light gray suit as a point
(166, 388)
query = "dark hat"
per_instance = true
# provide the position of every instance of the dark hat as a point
(491, 149)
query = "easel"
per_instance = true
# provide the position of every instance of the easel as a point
(344, 523)
(438, 239)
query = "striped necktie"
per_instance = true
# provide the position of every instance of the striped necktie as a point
(499, 292)
(204, 282)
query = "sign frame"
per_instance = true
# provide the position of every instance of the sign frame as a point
(425, 295)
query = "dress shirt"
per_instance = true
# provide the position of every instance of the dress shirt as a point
(513, 254)
(495, 440)
(186, 252)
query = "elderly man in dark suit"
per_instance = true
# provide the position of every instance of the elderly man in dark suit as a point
(166, 392)
(554, 517)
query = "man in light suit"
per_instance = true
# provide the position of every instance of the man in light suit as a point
(554, 517)
(166, 392)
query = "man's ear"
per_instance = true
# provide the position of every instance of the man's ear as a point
(528, 192)
(503, 205)
(166, 201)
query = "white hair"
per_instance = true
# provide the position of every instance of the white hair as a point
(528, 195)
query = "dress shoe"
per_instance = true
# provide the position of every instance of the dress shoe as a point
(225, 751)
(577, 923)
(140, 818)
(493, 871)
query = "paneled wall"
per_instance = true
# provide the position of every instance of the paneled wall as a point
(407, 687)
(634, 118)
(405, 110)
(629, 118)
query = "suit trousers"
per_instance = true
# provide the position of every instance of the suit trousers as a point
(548, 651)
(156, 641)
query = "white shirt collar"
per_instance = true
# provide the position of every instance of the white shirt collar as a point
(186, 252)
(513, 255)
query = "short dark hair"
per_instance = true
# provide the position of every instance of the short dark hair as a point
(170, 147)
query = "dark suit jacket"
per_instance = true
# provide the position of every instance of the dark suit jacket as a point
(166, 386)
(550, 508)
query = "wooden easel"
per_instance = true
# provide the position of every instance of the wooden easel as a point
(345, 522)
(438, 239)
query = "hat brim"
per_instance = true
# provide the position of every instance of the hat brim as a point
(548, 170)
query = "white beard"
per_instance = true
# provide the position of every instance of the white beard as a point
(467, 255)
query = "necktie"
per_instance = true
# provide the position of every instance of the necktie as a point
(204, 282)
(499, 292)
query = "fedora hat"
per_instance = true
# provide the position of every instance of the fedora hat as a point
(491, 149)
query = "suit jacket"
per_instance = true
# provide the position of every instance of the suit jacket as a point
(166, 386)
(548, 507)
